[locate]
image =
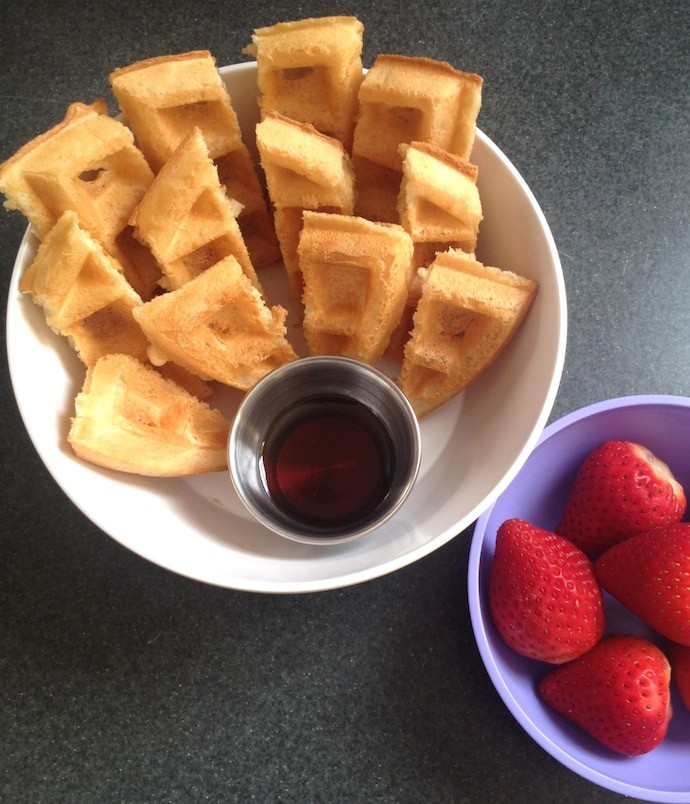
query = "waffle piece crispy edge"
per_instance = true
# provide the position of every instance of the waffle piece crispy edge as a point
(129, 418)
(356, 275)
(310, 70)
(218, 327)
(466, 315)
(186, 218)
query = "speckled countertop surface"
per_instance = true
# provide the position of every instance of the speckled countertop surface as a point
(123, 682)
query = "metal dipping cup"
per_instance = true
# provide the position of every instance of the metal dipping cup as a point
(301, 382)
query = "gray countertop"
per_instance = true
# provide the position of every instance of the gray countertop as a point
(123, 682)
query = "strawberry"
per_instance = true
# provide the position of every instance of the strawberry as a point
(650, 575)
(621, 489)
(543, 596)
(618, 692)
(679, 656)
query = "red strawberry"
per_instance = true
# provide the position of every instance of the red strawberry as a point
(621, 489)
(680, 670)
(544, 599)
(618, 692)
(650, 575)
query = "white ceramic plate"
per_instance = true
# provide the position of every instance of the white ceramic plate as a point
(472, 447)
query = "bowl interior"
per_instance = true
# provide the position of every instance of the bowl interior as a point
(537, 495)
(471, 447)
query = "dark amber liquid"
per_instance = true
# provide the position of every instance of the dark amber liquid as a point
(328, 461)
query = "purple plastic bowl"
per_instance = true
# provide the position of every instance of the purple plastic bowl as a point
(537, 494)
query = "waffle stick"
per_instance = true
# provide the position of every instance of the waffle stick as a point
(186, 218)
(131, 419)
(356, 274)
(404, 99)
(305, 170)
(466, 315)
(310, 70)
(163, 99)
(218, 327)
(440, 207)
(87, 164)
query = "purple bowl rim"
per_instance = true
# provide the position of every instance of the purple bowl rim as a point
(505, 693)
(635, 401)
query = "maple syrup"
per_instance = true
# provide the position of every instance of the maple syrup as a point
(328, 461)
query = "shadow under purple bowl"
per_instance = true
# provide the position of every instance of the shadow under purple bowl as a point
(537, 494)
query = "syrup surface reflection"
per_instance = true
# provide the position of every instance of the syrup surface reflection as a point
(328, 461)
